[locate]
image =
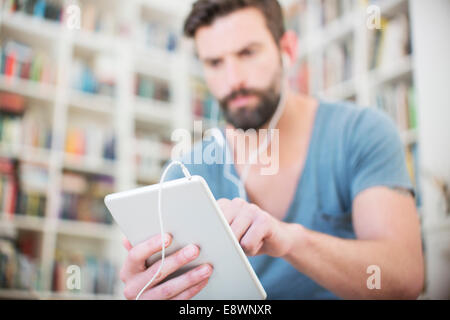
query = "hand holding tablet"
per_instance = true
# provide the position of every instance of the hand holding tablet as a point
(192, 217)
(135, 273)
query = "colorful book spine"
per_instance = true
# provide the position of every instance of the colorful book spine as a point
(82, 197)
(45, 9)
(151, 88)
(399, 102)
(19, 60)
(98, 276)
(18, 268)
(8, 186)
(91, 142)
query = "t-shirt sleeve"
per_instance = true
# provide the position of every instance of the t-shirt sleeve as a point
(377, 155)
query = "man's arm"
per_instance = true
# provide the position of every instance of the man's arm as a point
(388, 236)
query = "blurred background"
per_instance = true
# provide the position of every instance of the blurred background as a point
(88, 109)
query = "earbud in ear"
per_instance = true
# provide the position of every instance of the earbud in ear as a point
(286, 61)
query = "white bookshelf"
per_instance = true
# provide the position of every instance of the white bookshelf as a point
(124, 113)
(351, 26)
(431, 64)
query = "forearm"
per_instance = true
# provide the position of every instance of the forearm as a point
(340, 265)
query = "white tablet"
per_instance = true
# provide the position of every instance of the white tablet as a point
(191, 215)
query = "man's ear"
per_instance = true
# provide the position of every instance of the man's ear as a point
(289, 45)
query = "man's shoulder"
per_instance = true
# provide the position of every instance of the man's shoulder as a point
(355, 120)
(349, 111)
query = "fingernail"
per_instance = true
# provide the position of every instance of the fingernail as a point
(166, 239)
(190, 251)
(203, 271)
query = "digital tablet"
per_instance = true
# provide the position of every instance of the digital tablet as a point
(191, 215)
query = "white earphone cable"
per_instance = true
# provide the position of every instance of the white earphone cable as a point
(163, 176)
(272, 124)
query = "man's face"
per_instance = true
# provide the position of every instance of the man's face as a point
(242, 67)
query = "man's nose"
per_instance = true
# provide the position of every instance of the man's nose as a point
(235, 74)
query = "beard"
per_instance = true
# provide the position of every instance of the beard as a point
(249, 117)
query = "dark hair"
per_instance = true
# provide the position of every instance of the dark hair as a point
(204, 12)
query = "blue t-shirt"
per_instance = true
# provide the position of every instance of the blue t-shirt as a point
(351, 149)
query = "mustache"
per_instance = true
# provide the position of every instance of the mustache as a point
(240, 92)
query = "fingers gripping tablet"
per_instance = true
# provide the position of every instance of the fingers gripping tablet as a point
(191, 216)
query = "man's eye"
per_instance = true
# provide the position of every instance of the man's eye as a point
(246, 53)
(214, 63)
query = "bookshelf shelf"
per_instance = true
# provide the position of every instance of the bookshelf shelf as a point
(341, 91)
(88, 164)
(28, 88)
(49, 295)
(19, 294)
(92, 102)
(93, 41)
(390, 8)
(154, 61)
(23, 222)
(152, 111)
(335, 31)
(25, 153)
(77, 296)
(403, 69)
(42, 29)
(89, 230)
(437, 225)
(148, 176)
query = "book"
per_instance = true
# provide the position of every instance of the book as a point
(8, 186)
(398, 101)
(157, 34)
(323, 12)
(44, 9)
(95, 78)
(98, 275)
(91, 141)
(151, 152)
(152, 88)
(412, 104)
(338, 63)
(19, 268)
(82, 197)
(390, 43)
(23, 126)
(19, 60)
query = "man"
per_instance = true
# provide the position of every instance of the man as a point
(340, 205)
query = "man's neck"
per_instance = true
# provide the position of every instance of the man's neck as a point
(294, 126)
